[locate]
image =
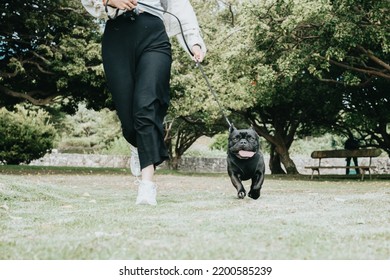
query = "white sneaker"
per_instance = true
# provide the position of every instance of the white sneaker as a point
(134, 162)
(147, 192)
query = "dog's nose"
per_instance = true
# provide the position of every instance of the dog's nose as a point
(243, 142)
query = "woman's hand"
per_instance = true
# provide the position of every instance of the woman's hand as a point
(122, 4)
(198, 54)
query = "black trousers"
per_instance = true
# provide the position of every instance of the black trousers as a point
(355, 161)
(137, 64)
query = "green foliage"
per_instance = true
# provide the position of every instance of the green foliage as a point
(88, 130)
(367, 114)
(220, 142)
(25, 135)
(308, 144)
(119, 146)
(303, 58)
(290, 67)
(50, 58)
(191, 97)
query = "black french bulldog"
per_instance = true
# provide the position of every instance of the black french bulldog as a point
(245, 161)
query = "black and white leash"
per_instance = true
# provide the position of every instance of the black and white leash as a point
(213, 93)
(198, 65)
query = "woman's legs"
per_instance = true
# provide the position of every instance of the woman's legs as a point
(119, 68)
(137, 63)
(150, 106)
(147, 173)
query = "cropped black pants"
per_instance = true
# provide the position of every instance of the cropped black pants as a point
(137, 64)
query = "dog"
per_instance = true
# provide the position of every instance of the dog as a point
(245, 161)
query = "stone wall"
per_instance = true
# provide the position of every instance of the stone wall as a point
(197, 164)
(200, 164)
(82, 160)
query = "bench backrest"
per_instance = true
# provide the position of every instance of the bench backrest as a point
(346, 153)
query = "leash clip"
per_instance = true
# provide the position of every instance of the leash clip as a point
(132, 15)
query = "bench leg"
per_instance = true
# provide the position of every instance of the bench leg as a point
(312, 172)
(363, 172)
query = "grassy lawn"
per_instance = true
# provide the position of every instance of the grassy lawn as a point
(73, 214)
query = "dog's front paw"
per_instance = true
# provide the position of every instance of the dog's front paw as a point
(241, 194)
(254, 194)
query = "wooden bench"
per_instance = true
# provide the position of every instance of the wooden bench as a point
(365, 153)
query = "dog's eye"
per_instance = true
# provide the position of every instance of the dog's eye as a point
(235, 138)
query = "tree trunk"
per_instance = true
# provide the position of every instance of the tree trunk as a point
(280, 143)
(274, 162)
(174, 163)
(288, 163)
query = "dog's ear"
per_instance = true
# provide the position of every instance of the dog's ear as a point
(254, 130)
(231, 128)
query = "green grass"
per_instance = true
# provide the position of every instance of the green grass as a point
(73, 214)
(31, 169)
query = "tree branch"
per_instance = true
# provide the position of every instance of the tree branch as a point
(231, 33)
(39, 67)
(41, 57)
(363, 84)
(365, 71)
(374, 58)
(231, 13)
(8, 75)
(28, 96)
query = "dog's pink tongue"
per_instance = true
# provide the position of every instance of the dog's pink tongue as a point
(246, 154)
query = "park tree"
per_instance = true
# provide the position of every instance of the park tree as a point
(284, 58)
(88, 130)
(56, 58)
(367, 114)
(286, 67)
(26, 134)
(351, 36)
(50, 52)
(276, 99)
(194, 110)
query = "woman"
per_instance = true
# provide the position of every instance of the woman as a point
(137, 62)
